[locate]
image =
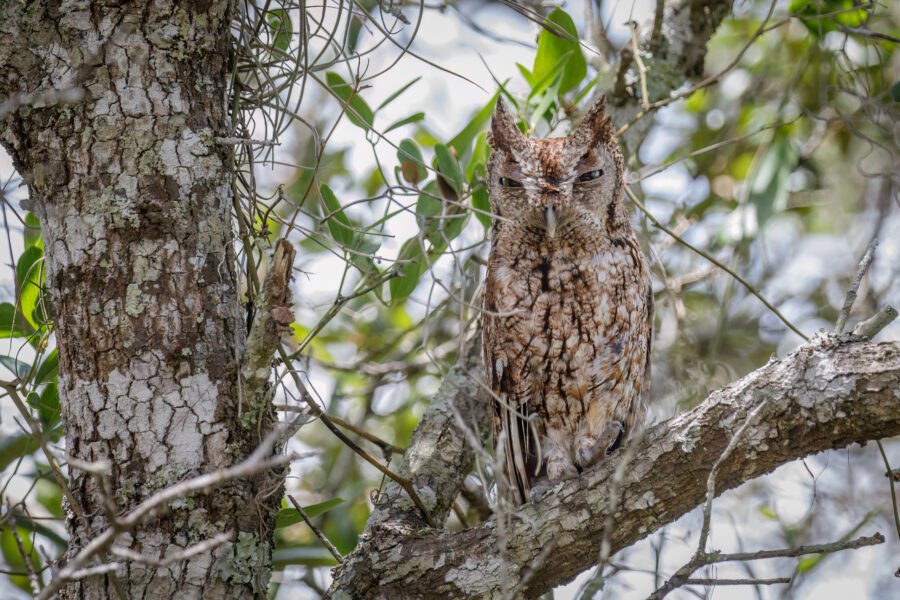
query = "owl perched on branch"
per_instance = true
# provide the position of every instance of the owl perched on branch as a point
(568, 308)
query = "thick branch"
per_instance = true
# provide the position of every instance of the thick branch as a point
(822, 396)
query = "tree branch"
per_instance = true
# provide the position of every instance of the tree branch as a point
(824, 395)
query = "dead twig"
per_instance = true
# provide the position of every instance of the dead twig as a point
(850, 298)
(316, 531)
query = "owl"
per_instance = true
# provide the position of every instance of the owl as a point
(568, 309)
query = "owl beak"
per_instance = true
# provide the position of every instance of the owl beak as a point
(551, 220)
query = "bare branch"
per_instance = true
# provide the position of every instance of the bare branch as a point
(850, 298)
(202, 547)
(873, 325)
(714, 582)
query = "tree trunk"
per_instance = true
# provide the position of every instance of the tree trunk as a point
(112, 113)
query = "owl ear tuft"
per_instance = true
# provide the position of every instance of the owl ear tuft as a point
(594, 126)
(504, 132)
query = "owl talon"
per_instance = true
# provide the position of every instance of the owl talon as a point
(560, 470)
(538, 491)
(589, 451)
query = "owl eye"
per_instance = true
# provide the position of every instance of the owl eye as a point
(510, 183)
(590, 175)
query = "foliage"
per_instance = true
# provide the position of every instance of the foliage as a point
(790, 153)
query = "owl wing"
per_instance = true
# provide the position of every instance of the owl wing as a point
(514, 444)
(639, 410)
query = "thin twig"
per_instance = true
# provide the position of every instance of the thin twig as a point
(890, 476)
(404, 483)
(642, 69)
(656, 222)
(318, 533)
(700, 560)
(850, 298)
(749, 581)
(204, 546)
(854, 544)
(650, 170)
(386, 447)
(713, 473)
(26, 558)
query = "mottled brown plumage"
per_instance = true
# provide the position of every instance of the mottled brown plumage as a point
(568, 305)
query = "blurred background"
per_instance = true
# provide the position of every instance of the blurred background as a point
(784, 169)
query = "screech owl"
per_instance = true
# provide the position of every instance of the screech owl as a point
(568, 312)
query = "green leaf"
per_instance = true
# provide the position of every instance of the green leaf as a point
(302, 555)
(36, 526)
(48, 370)
(336, 220)
(28, 281)
(768, 513)
(17, 367)
(419, 116)
(412, 165)
(838, 12)
(397, 93)
(476, 166)
(13, 556)
(32, 231)
(14, 447)
(50, 496)
(463, 140)
(280, 28)
(546, 102)
(526, 74)
(768, 191)
(429, 204)
(410, 269)
(11, 323)
(48, 406)
(451, 226)
(448, 167)
(481, 201)
(895, 91)
(357, 110)
(807, 563)
(291, 516)
(554, 45)
(553, 76)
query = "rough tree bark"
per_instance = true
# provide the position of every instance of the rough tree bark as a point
(111, 113)
(825, 395)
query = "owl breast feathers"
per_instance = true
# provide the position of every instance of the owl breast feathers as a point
(568, 306)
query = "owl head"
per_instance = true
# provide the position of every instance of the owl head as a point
(555, 186)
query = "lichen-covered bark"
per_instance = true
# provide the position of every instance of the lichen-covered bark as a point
(824, 395)
(114, 135)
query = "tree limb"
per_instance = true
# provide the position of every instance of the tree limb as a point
(824, 395)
